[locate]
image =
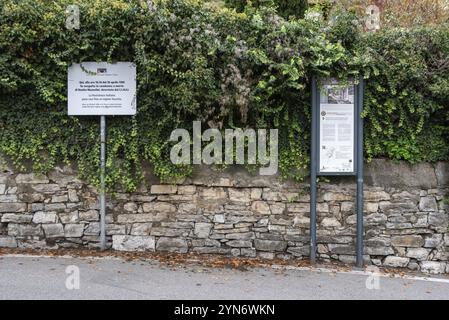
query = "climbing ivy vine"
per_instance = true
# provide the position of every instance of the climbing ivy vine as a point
(227, 69)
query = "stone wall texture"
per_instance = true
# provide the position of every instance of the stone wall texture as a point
(233, 213)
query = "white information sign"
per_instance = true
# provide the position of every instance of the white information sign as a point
(100, 88)
(336, 130)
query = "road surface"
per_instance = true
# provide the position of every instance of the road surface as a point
(31, 277)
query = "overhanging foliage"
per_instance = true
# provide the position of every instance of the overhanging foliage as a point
(227, 69)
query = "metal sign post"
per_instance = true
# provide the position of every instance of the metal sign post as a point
(102, 183)
(101, 89)
(337, 147)
(313, 171)
(359, 243)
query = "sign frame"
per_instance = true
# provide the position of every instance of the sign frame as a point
(100, 71)
(317, 109)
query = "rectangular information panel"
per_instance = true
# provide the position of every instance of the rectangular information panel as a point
(336, 130)
(100, 88)
(337, 146)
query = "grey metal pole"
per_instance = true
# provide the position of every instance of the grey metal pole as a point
(359, 259)
(102, 183)
(313, 172)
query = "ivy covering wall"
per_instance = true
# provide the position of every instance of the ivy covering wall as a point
(227, 69)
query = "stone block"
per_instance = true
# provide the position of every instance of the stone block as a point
(213, 194)
(378, 251)
(59, 198)
(92, 229)
(16, 218)
(248, 252)
(13, 207)
(89, 215)
(31, 178)
(438, 219)
(240, 195)
(256, 194)
(133, 243)
(115, 229)
(130, 207)
(70, 217)
(240, 236)
(412, 241)
(419, 254)
(172, 245)
(219, 218)
(428, 204)
(433, 241)
(45, 217)
(163, 189)
(73, 195)
(347, 206)
(330, 223)
(433, 267)
(388, 173)
(442, 173)
(202, 230)
(186, 190)
(142, 217)
(168, 232)
(46, 188)
(299, 251)
(240, 243)
(141, 229)
(8, 198)
(396, 262)
(8, 242)
(270, 245)
(337, 196)
(277, 208)
(341, 249)
(298, 207)
(57, 207)
(260, 207)
(375, 219)
(162, 207)
(376, 195)
(370, 207)
(54, 230)
(73, 230)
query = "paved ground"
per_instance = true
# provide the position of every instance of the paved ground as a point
(24, 277)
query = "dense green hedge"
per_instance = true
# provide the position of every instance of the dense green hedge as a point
(227, 69)
(285, 8)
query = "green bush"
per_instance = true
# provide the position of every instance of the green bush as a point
(407, 94)
(227, 69)
(285, 8)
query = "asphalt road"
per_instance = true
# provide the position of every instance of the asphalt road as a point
(23, 277)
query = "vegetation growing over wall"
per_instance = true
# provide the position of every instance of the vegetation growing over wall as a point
(227, 69)
(403, 13)
(285, 8)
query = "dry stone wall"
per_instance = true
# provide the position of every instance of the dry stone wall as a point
(236, 214)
